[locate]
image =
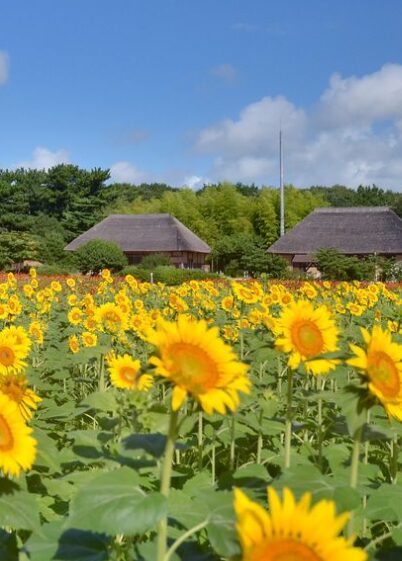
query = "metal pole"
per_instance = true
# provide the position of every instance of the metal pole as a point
(282, 191)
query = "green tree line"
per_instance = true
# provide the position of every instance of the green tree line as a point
(47, 209)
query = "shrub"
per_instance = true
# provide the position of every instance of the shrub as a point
(99, 254)
(336, 266)
(168, 275)
(259, 261)
(155, 260)
(55, 270)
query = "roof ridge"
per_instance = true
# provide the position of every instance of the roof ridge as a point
(353, 209)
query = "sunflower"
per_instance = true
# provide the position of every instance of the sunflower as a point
(198, 362)
(124, 373)
(244, 294)
(15, 386)
(74, 316)
(227, 303)
(74, 344)
(21, 339)
(35, 330)
(381, 361)
(89, 339)
(292, 531)
(111, 318)
(306, 333)
(11, 353)
(17, 446)
(70, 283)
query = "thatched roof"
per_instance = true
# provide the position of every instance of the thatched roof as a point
(143, 233)
(354, 230)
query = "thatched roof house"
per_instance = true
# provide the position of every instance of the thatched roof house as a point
(359, 231)
(141, 234)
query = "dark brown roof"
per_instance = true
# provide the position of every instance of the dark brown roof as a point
(354, 230)
(143, 232)
(303, 259)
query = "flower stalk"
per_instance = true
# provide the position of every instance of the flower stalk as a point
(288, 421)
(166, 476)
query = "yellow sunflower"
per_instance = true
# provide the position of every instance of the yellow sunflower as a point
(124, 373)
(111, 318)
(198, 362)
(74, 344)
(17, 446)
(74, 316)
(381, 361)
(35, 330)
(292, 531)
(306, 333)
(89, 339)
(11, 353)
(15, 386)
(21, 339)
(245, 294)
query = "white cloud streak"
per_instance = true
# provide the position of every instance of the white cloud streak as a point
(126, 172)
(43, 158)
(352, 135)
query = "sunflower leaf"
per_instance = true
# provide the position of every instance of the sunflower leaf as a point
(113, 503)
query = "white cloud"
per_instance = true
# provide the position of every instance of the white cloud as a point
(227, 72)
(352, 135)
(256, 129)
(360, 101)
(125, 172)
(43, 158)
(4, 67)
(195, 182)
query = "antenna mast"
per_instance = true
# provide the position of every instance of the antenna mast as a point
(281, 187)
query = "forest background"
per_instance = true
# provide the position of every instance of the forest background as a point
(41, 211)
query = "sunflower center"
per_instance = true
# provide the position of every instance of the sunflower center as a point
(383, 373)
(13, 390)
(7, 356)
(307, 338)
(111, 318)
(128, 374)
(193, 368)
(6, 436)
(284, 550)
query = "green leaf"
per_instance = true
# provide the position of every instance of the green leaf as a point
(113, 503)
(56, 544)
(47, 452)
(18, 509)
(385, 504)
(103, 401)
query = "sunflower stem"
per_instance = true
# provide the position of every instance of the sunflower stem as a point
(213, 460)
(259, 440)
(320, 435)
(102, 384)
(394, 460)
(232, 441)
(200, 439)
(165, 482)
(184, 537)
(354, 470)
(288, 422)
(365, 461)
(280, 372)
(354, 466)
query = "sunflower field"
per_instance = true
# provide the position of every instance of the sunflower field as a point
(216, 420)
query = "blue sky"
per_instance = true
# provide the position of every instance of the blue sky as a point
(186, 91)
